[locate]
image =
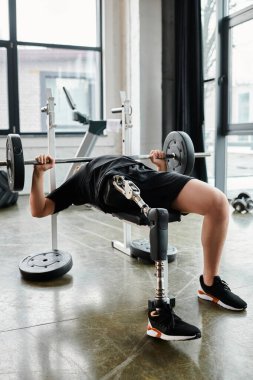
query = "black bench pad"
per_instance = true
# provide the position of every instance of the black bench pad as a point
(141, 220)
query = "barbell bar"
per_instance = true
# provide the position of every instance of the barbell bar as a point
(88, 159)
(178, 148)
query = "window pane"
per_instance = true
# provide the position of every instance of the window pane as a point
(42, 68)
(237, 5)
(208, 9)
(4, 20)
(209, 127)
(4, 119)
(241, 88)
(239, 165)
(57, 22)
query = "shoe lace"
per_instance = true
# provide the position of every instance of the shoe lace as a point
(225, 285)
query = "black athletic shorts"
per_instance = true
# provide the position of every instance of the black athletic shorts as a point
(157, 189)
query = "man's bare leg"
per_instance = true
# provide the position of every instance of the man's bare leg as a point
(200, 198)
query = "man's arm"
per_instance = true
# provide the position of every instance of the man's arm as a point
(158, 158)
(39, 204)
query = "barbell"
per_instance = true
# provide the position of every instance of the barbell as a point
(178, 148)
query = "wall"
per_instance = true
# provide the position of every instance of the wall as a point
(150, 75)
(135, 46)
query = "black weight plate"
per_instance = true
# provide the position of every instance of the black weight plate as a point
(180, 144)
(46, 265)
(15, 162)
(249, 204)
(7, 197)
(243, 195)
(141, 248)
(239, 205)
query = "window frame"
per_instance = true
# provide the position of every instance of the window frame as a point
(229, 22)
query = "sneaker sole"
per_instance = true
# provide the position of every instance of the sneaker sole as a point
(151, 331)
(208, 297)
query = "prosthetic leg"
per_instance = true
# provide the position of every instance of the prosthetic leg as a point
(163, 323)
(158, 223)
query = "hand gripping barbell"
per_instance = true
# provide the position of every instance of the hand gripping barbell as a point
(177, 146)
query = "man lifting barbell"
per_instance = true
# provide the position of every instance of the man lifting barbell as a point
(169, 190)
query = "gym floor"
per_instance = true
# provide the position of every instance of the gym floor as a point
(91, 323)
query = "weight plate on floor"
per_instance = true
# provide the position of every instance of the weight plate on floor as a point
(46, 265)
(140, 248)
(180, 144)
(15, 162)
(249, 204)
(243, 195)
(239, 205)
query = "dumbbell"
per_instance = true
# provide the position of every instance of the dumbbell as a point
(242, 203)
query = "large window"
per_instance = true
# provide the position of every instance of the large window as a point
(240, 97)
(41, 68)
(241, 73)
(50, 44)
(229, 92)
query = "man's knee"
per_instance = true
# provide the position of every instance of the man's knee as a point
(219, 204)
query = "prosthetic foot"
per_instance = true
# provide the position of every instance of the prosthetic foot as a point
(164, 324)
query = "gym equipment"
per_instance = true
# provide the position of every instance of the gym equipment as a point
(179, 151)
(126, 142)
(45, 266)
(15, 163)
(77, 116)
(7, 197)
(178, 148)
(180, 145)
(95, 129)
(138, 248)
(242, 203)
(55, 263)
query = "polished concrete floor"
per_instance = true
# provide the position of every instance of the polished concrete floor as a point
(91, 323)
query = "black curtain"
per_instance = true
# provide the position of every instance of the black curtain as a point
(189, 92)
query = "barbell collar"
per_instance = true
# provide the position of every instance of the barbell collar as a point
(202, 154)
(116, 110)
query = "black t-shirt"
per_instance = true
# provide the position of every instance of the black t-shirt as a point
(90, 185)
(85, 185)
